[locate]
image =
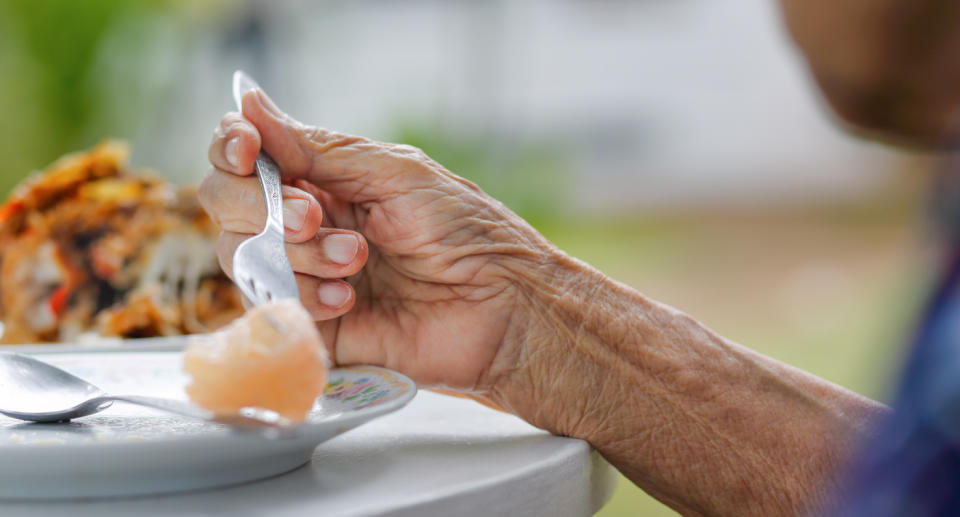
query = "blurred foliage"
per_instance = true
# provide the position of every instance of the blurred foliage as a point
(62, 39)
(77, 72)
(531, 178)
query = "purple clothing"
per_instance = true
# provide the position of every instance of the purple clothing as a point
(912, 466)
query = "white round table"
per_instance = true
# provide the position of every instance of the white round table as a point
(439, 455)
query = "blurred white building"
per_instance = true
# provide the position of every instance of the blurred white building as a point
(660, 102)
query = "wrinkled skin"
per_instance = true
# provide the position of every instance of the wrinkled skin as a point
(405, 265)
(432, 287)
(445, 284)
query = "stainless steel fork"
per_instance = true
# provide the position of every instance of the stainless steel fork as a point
(261, 268)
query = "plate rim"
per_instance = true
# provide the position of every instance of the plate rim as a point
(303, 432)
(104, 344)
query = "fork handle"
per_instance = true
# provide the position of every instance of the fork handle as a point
(269, 175)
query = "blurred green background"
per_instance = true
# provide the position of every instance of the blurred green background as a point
(686, 157)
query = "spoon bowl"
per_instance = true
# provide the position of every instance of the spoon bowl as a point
(37, 391)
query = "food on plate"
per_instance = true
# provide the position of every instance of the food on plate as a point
(272, 358)
(90, 246)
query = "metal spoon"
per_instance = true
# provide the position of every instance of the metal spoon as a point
(36, 391)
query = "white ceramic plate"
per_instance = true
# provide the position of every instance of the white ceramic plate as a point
(127, 450)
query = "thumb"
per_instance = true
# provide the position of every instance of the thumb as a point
(352, 168)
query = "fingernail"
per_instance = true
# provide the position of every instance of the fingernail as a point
(268, 104)
(333, 294)
(231, 151)
(341, 247)
(295, 213)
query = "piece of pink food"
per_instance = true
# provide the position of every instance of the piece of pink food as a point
(271, 358)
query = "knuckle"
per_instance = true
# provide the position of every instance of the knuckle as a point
(309, 256)
(229, 123)
(408, 150)
(413, 156)
(231, 117)
(239, 126)
(308, 259)
(315, 133)
(328, 138)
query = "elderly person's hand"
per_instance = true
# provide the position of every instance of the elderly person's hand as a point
(446, 285)
(432, 263)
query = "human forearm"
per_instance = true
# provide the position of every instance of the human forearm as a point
(705, 425)
(458, 292)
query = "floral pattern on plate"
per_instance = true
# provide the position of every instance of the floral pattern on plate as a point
(364, 386)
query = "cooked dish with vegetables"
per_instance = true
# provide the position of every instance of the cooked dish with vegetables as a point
(92, 247)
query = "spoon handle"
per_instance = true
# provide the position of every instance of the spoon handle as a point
(254, 420)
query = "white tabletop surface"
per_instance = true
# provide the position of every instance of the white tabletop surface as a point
(438, 456)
